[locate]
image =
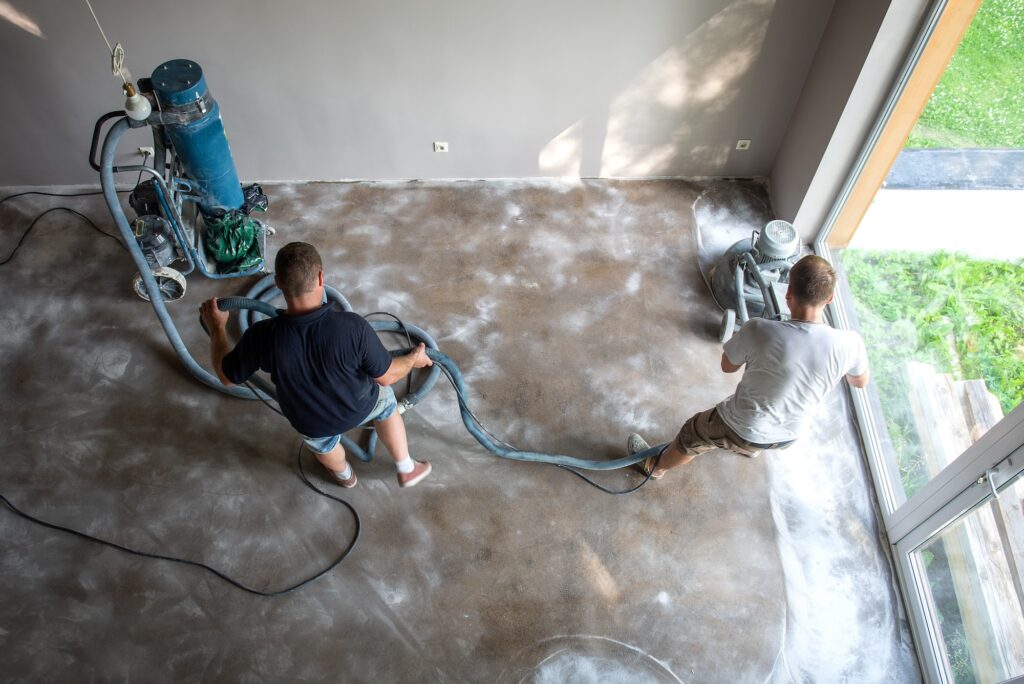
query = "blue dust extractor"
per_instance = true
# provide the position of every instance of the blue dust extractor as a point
(191, 121)
(190, 212)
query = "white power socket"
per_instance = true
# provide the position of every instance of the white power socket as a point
(145, 151)
(440, 147)
(742, 144)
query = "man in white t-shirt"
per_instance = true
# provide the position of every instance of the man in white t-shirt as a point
(790, 367)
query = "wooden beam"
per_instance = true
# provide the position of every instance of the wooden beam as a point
(949, 31)
(982, 567)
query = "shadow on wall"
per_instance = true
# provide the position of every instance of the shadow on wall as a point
(649, 123)
(12, 14)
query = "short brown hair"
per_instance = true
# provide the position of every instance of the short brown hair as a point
(812, 280)
(296, 267)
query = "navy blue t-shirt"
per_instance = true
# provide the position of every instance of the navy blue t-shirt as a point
(323, 365)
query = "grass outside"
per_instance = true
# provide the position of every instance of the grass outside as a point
(980, 100)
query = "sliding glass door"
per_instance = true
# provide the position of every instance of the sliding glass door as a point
(933, 277)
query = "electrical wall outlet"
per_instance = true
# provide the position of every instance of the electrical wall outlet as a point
(742, 144)
(440, 147)
(145, 151)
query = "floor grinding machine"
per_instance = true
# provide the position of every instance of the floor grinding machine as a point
(751, 278)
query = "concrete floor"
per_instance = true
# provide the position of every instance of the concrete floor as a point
(577, 313)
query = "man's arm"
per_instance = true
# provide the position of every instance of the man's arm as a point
(861, 362)
(403, 365)
(216, 322)
(728, 366)
(859, 380)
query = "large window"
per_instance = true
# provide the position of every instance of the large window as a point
(934, 279)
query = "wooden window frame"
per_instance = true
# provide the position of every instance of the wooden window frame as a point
(952, 23)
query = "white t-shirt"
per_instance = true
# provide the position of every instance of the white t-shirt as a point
(790, 367)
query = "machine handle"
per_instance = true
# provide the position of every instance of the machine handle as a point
(96, 137)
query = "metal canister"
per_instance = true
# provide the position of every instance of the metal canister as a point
(191, 118)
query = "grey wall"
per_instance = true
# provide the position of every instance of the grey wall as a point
(859, 57)
(841, 53)
(320, 90)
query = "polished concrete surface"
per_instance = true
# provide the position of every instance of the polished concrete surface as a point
(578, 313)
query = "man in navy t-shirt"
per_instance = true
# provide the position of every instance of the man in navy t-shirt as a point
(330, 369)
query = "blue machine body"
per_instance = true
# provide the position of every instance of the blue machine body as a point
(191, 119)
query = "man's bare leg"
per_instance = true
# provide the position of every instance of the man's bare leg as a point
(671, 458)
(334, 461)
(391, 431)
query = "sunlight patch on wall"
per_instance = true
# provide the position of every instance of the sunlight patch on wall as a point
(561, 157)
(654, 120)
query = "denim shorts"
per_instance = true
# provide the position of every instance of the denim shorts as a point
(384, 408)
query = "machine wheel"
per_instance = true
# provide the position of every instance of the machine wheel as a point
(728, 326)
(170, 282)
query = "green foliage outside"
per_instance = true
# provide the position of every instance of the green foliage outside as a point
(980, 100)
(961, 315)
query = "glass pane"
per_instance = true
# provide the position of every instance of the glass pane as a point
(945, 338)
(973, 572)
(936, 267)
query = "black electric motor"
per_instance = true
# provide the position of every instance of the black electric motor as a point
(155, 237)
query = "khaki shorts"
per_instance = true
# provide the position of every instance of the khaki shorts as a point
(707, 431)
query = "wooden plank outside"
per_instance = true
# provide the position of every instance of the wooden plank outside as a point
(941, 427)
(982, 581)
(983, 411)
(981, 408)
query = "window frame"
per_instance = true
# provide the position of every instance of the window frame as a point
(911, 522)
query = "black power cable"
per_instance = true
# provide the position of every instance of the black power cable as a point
(32, 225)
(614, 492)
(204, 566)
(54, 194)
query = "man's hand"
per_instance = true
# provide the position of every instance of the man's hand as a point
(728, 366)
(403, 365)
(419, 356)
(859, 380)
(216, 322)
(213, 317)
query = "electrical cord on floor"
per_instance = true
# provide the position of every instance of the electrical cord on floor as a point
(227, 578)
(36, 220)
(615, 492)
(204, 566)
(260, 397)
